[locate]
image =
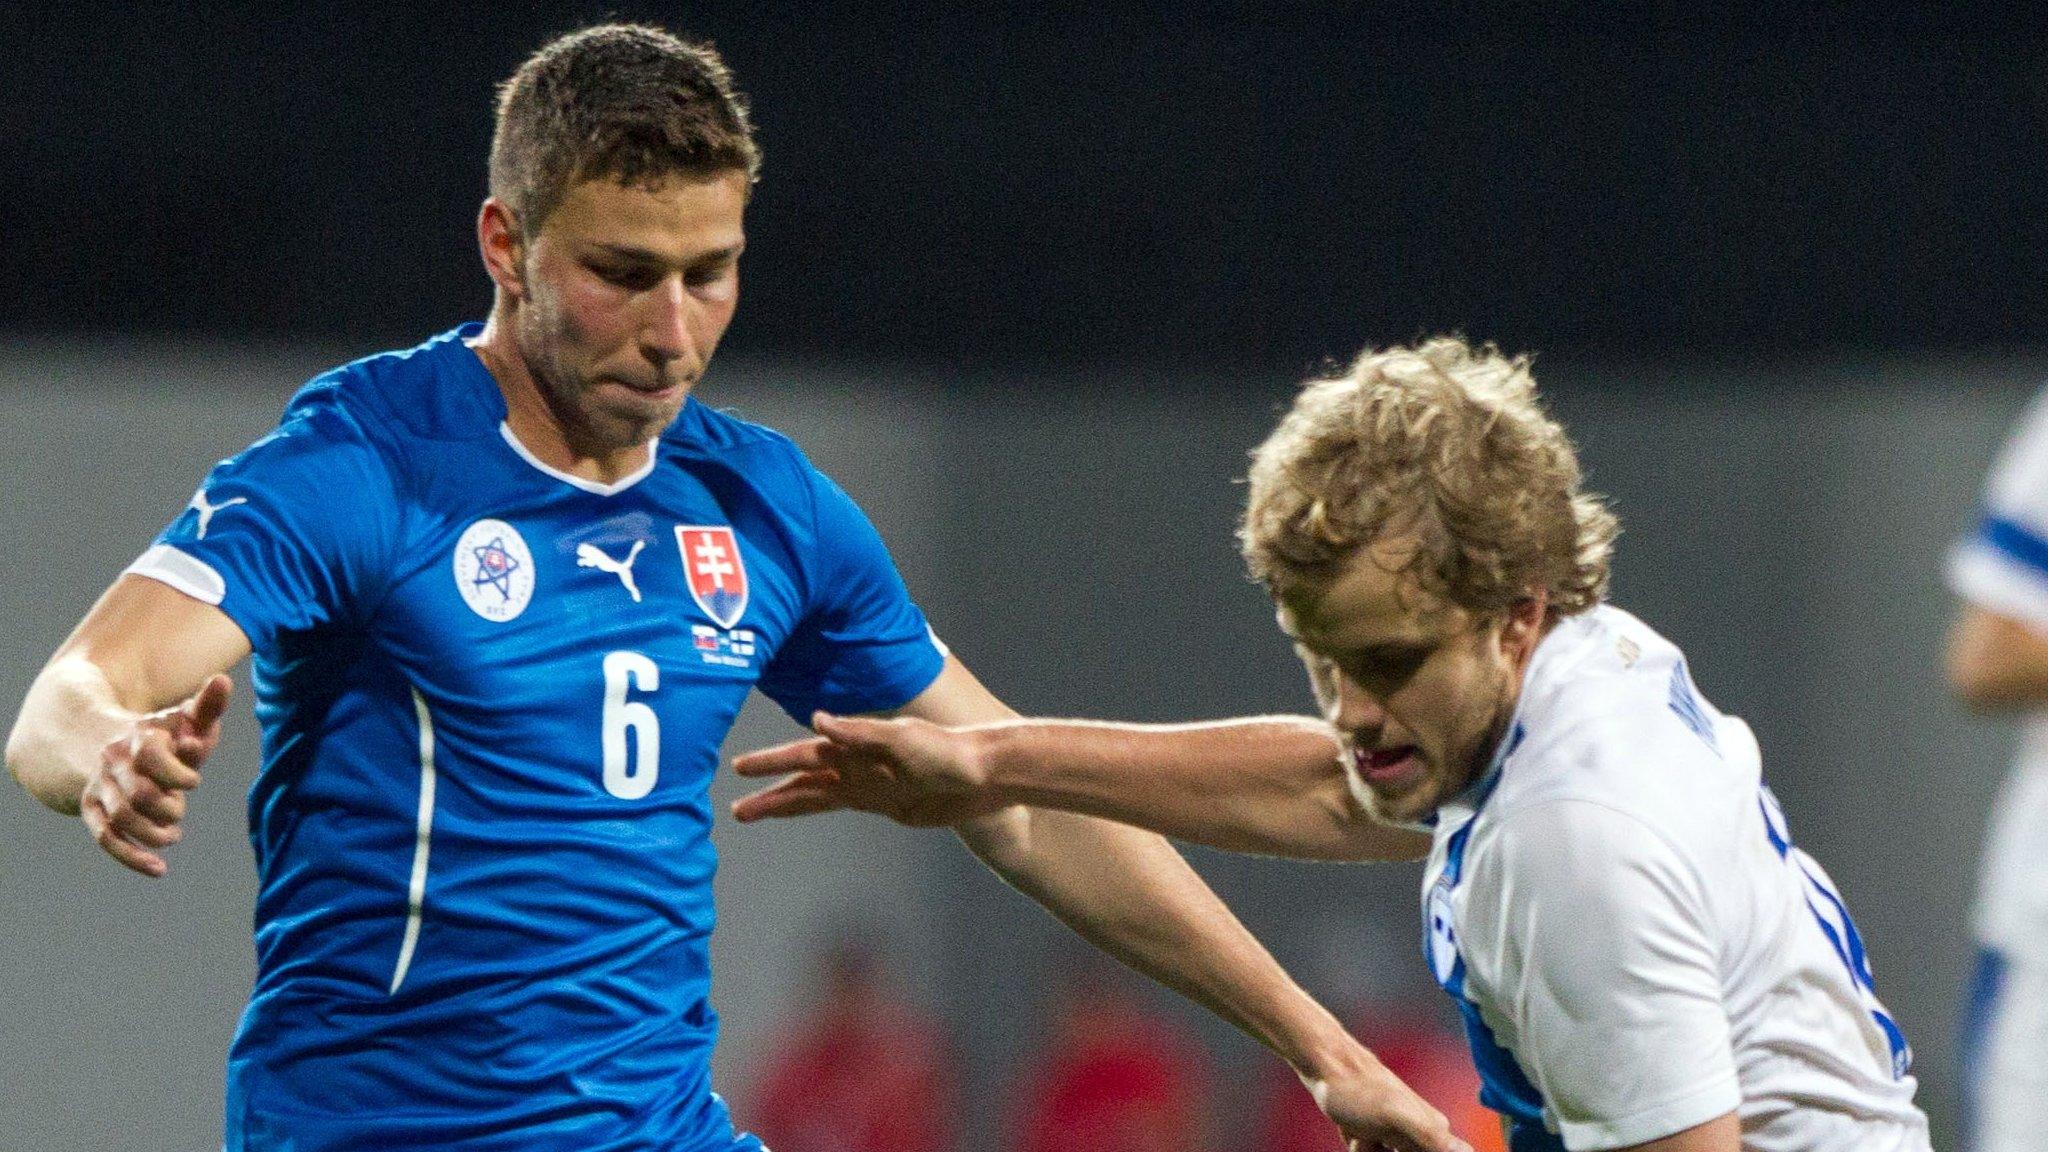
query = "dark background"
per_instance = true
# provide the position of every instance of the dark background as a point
(1253, 184)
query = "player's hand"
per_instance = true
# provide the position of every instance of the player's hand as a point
(134, 800)
(1378, 1113)
(911, 771)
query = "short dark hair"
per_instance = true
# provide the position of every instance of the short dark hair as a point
(629, 102)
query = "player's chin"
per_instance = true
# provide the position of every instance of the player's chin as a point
(1404, 803)
(625, 418)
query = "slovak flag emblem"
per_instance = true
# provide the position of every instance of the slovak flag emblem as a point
(718, 578)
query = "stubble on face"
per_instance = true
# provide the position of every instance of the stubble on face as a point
(593, 419)
(628, 290)
(1419, 690)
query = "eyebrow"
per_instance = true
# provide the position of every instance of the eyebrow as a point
(650, 256)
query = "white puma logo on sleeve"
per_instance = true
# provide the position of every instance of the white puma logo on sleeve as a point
(206, 510)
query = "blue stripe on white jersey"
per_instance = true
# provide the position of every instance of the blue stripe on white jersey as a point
(2015, 541)
(1504, 1086)
(1832, 914)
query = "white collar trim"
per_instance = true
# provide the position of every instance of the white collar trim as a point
(592, 486)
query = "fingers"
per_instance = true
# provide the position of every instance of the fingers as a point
(92, 809)
(154, 756)
(837, 736)
(135, 800)
(797, 756)
(1425, 1129)
(154, 804)
(853, 731)
(204, 709)
(805, 795)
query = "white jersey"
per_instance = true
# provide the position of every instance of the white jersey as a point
(2003, 567)
(1633, 940)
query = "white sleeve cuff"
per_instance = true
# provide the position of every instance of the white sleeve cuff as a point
(1719, 1096)
(1991, 580)
(188, 574)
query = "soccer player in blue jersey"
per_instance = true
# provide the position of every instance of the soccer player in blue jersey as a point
(1643, 958)
(505, 593)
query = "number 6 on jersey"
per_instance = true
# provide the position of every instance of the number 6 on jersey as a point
(624, 672)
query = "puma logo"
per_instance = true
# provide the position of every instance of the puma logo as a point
(206, 510)
(590, 556)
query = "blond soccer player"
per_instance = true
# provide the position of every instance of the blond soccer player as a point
(1642, 957)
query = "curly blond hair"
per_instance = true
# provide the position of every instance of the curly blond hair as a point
(1442, 441)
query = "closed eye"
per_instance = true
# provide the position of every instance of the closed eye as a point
(632, 277)
(1385, 667)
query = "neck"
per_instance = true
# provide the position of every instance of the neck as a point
(530, 416)
(1510, 700)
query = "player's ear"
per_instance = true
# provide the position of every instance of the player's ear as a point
(502, 246)
(1524, 624)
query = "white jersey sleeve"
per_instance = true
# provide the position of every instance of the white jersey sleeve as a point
(2002, 565)
(1605, 966)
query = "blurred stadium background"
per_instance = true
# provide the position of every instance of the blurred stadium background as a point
(1029, 285)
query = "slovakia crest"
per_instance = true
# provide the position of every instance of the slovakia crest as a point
(718, 577)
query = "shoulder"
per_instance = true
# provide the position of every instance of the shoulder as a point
(1576, 874)
(435, 390)
(1573, 842)
(2019, 477)
(773, 466)
(1614, 720)
(354, 433)
(714, 431)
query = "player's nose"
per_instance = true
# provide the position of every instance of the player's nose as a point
(667, 331)
(1355, 711)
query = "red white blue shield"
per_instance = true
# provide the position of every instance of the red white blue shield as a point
(718, 578)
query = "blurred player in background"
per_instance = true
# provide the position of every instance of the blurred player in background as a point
(1998, 663)
(506, 592)
(1114, 1075)
(1612, 898)
(856, 1068)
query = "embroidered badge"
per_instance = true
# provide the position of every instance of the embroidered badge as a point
(493, 570)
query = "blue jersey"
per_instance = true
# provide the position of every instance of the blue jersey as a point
(492, 697)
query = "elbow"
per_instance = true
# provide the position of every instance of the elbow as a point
(18, 759)
(27, 769)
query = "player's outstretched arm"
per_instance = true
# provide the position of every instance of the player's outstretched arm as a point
(1129, 892)
(115, 728)
(1996, 663)
(1270, 785)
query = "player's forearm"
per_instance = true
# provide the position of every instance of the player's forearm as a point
(1269, 785)
(68, 716)
(1131, 894)
(1997, 664)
